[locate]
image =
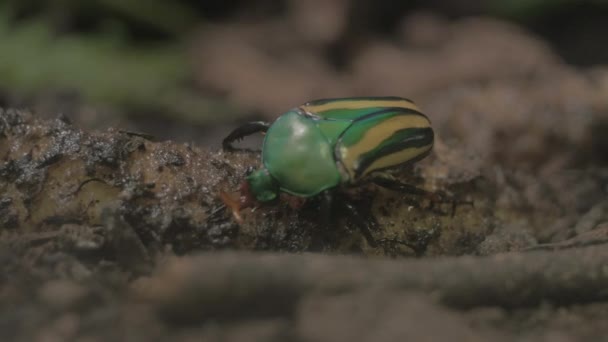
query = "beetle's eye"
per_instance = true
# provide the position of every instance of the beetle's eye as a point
(249, 170)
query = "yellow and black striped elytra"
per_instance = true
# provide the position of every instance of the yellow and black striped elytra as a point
(384, 132)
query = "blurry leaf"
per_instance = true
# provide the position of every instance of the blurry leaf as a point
(168, 16)
(103, 69)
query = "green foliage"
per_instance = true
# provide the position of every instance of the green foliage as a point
(102, 68)
(166, 16)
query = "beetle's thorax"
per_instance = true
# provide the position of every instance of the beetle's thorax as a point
(299, 156)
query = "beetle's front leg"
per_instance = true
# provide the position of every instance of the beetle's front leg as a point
(327, 202)
(325, 220)
(243, 131)
(434, 197)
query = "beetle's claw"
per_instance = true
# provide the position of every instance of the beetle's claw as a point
(234, 206)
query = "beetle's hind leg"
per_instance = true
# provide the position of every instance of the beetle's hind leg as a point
(243, 131)
(434, 197)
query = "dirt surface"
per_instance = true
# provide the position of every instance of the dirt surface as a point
(102, 232)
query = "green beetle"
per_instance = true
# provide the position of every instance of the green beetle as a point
(329, 143)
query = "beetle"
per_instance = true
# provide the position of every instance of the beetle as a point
(327, 144)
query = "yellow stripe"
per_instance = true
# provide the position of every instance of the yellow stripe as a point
(359, 104)
(376, 135)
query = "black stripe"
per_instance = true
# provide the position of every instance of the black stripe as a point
(399, 110)
(420, 137)
(396, 110)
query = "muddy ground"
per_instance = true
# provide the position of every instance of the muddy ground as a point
(114, 235)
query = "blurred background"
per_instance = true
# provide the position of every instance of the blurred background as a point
(190, 70)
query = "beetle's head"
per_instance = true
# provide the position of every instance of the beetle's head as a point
(259, 186)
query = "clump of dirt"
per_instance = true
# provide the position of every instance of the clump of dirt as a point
(118, 192)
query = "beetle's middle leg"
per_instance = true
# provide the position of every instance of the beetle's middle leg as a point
(325, 220)
(366, 223)
(434, 197)
(243, 131)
